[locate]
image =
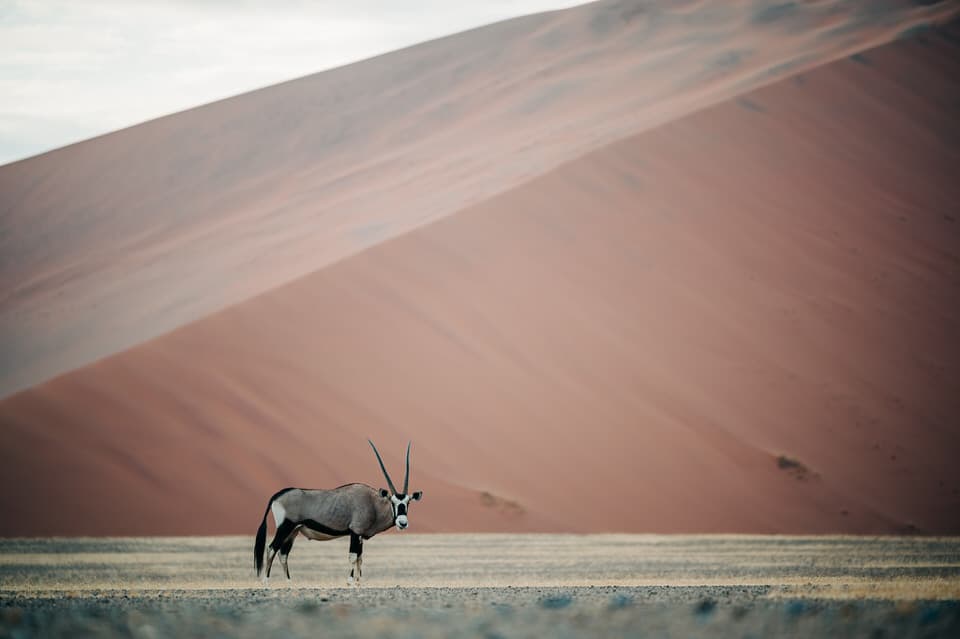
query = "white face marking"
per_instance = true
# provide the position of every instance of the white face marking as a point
(279, 512)
(400, 520)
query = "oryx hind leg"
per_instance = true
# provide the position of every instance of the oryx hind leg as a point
(285, 555)
(285, 533)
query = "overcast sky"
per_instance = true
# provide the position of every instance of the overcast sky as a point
(73, 69)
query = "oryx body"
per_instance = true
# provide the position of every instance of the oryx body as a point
(355, 510)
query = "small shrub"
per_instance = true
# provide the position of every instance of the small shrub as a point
(795, 467)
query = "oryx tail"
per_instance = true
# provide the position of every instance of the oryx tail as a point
(261, 542)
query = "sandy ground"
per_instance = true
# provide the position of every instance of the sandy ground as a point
(488, 585)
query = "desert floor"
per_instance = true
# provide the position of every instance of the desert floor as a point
(487, 585)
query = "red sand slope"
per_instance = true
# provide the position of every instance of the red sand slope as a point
(625, 343)
(113, 241)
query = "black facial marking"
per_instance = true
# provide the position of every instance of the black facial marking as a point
(401, 509)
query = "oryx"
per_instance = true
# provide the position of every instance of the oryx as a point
(357, 510)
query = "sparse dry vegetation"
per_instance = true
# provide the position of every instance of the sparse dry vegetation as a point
(795, 467)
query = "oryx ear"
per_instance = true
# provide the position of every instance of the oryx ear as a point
(417, 495)
(384, 493)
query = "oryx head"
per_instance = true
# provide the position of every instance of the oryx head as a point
(400, 501)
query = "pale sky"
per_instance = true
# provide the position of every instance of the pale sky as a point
(72, 69)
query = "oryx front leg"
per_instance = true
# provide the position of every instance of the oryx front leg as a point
(356, 559)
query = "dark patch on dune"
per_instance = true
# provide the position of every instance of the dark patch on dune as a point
(776, 72)
(784, 68)
(615, 16)
(554, 37)
(775, 13)
(504, 505)
(917, 31)
(728, 59)
(547, 96)
(750, 105)
(370, 233)
(795, 467)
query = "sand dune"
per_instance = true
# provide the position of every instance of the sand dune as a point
(113, 241)
(628, 342)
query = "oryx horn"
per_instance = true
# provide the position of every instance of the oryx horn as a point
(383, 468)
(406, 475)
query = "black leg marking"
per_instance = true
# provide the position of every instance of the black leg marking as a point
(284, 533)
(285, 554)
(356, 550)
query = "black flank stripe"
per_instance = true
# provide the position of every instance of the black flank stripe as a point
(320, 528)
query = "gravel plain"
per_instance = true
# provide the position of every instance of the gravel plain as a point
(487, 586)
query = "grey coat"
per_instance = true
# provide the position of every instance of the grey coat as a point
(324, 514)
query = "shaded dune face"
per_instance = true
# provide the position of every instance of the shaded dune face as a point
(743, 320)
(116, 240)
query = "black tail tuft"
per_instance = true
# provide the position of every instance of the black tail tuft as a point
(260, 543)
